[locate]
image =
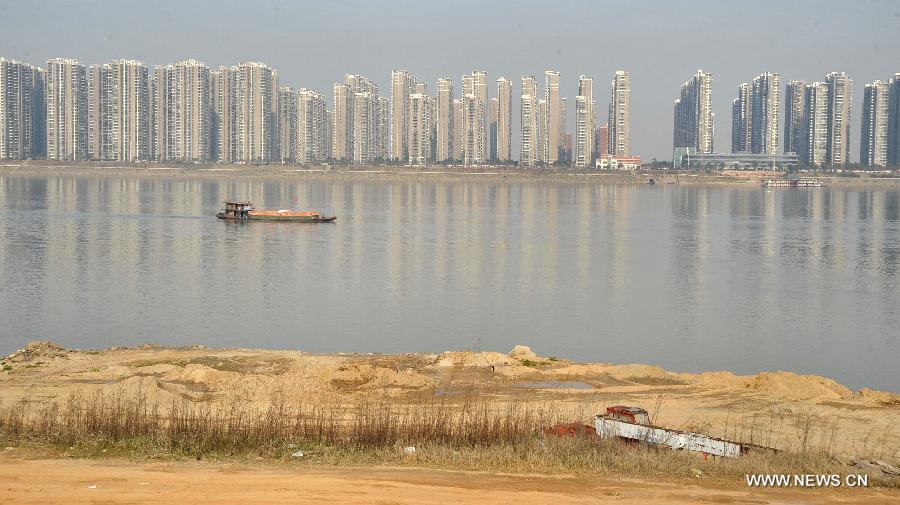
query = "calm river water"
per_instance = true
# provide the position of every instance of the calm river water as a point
(688, 277)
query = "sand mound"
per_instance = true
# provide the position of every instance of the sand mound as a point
(200, 374)
(37, 349)
(882, 397)
(480, 359)
(789, 385)
(157, 369)
(628, 371)
(365, 376)
(114, 372)
(719, 379)
(522, 352)
(583, 369)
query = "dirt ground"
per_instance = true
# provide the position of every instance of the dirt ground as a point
(80, 481)
(778, 409)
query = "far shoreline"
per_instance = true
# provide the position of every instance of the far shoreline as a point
(396, 173)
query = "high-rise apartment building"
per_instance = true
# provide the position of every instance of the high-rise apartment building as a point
(584, 123)
(274, 111)
(312, 127)
(893, 152)
(839, 99)
(474, 88)
(39, 112)
(360, 122)
(694, 119)
(193, 109)
(402, 84)
(542, 113)
(342, 133)
(128, 111)
(101, 98)
(504, 120)
(383, 129)
(566, 156)
(419, 124)
(474, 134)
(619, 120)
(329, 132)
(364, 141)
(494, 112)
(529, 152)
(552, 143)
(740, 120)
(603, 139)
(815, 125)
(459, 129)
(180, 108)
(287, 124)
(765, 99)
(67, 110)
(22, 111)
(873, 146)
(162, 112)
(794, 105)
(256, 112)
(444, 138)
(224, 112)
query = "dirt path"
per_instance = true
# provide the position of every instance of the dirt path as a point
(73, 481)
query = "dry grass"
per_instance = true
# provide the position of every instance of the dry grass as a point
(466, 435)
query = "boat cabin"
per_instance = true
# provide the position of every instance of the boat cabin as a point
(237, 210)
(634, 415)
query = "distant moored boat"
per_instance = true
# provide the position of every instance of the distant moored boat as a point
(793, 183)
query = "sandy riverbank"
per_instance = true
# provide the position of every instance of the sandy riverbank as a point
(405, 173)
(778, 409)
(860, 429)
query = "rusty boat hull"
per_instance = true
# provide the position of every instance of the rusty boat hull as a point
(281, 218)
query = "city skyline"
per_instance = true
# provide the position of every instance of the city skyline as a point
(187, 112)
(167, 32)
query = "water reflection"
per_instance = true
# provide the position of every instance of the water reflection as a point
(689, 277)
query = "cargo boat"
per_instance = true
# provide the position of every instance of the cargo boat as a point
(245, 211)
(793, 183)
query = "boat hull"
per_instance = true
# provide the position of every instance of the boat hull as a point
(292, 219)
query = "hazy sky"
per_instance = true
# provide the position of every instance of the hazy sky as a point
(662, 43)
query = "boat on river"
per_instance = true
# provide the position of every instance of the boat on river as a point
(793, 183)
(246, 211)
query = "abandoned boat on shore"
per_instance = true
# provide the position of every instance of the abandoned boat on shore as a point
(245, 211)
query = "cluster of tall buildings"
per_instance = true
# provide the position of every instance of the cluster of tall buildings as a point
(185, 112)
(188, 112)
(880, 129)
(754, 116)
(816, 119)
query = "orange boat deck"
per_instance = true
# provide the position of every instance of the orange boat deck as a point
(283, 213)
